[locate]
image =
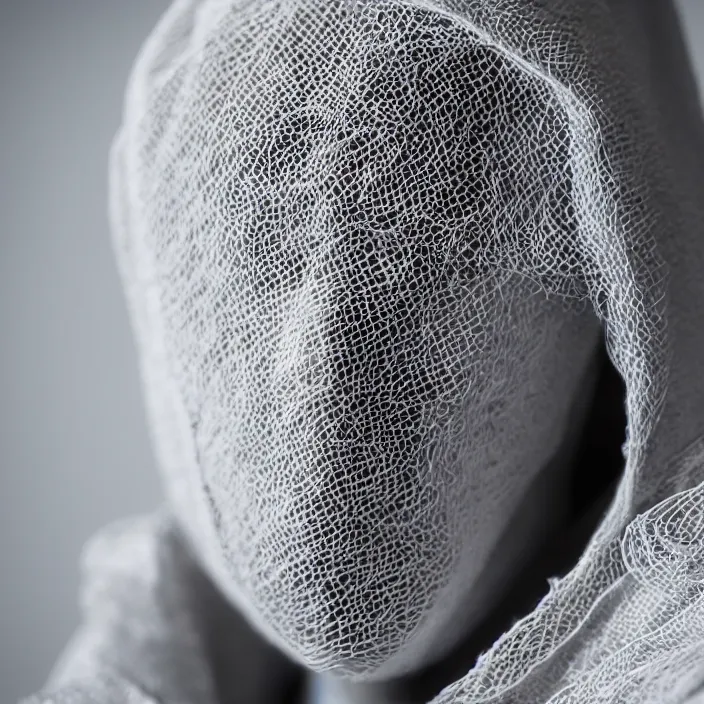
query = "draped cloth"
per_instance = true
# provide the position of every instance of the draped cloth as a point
(369, 249)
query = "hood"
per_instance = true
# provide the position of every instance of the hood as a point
(368, 249)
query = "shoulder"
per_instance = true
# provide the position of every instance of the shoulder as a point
(140, 637)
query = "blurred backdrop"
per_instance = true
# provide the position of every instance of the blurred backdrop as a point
(74, 449)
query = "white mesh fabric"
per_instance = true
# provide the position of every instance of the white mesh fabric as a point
(369, 380)
(359, 240)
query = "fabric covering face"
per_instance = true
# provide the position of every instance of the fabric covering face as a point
(367, 248)
(335, 235)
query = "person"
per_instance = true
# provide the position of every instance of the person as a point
(369, 250)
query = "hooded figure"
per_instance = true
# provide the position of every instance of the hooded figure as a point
(370, 252)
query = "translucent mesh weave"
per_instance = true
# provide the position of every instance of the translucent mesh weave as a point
(350, 260)
(366, 247)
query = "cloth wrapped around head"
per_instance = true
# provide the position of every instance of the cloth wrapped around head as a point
(369, 250)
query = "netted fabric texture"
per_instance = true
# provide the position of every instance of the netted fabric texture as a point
(337, 236)
(367, 248)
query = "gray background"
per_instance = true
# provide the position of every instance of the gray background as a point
(74, 449)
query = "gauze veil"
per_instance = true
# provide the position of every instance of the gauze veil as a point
(369, 249)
